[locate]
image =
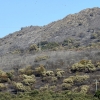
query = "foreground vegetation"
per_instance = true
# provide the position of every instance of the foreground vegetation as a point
(39, 83)
(46, 95)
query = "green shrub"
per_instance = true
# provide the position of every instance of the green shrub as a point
(98, 64)
(34, 93)
(80, 78)
(67, 42)
(33, 47)
(3, 76)
(40, 71)
(97, 94)
(49, 73)
(83, 65)
(68, 80)
(49, 45)
(10, 75)
(28, 77)
(66, 86)
(44, 88)
(76, 79)
(27, 70)
(59, 73)
(28, 80)
(53, 88)
(19, 86)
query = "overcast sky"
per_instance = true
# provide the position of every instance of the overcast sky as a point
(15, 14)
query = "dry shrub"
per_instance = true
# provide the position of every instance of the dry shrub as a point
(83, 65)
(41, 58)
(66, 86)
(84, 89)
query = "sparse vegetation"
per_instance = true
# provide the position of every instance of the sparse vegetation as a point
(83, 65)
(59, 61)
(40, 58)
(32, 81)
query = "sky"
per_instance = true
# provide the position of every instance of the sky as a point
(15, 14)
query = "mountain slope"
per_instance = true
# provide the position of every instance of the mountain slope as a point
(83, 28)
(59, 40)
(63, 55)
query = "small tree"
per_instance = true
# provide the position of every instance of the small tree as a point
(97, 94)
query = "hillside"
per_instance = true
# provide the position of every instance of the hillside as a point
(75, 31)
(63, 55)
(81, 28)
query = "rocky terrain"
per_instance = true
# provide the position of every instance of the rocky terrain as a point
(80, 30)
(65, 53)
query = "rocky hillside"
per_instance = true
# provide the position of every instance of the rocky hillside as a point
(63, 55)
(58, 40)
(82, 28)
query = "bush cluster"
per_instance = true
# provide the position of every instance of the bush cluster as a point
(83, 65)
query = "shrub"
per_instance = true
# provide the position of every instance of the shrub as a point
(75, 79)
(59, 73)
(66, 86)
(46, 78)
(40, 71)
(33, 47)
(27, 70)
(49, 73)
(49, 45)
(97, 94)
(18, 86)
(83, 65)
(68, 80)
(40, 58)
(98, 65)
(67, 42)
(84, 89)
(94, 36)
(10, 74)
(75, 89)
(28, 80)
(34, 93)
(27, 88)
(53, 87)
(44, 88)
(3, 76)
(2, 86)
(80, 78)
(28, 77)
(53, 79)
